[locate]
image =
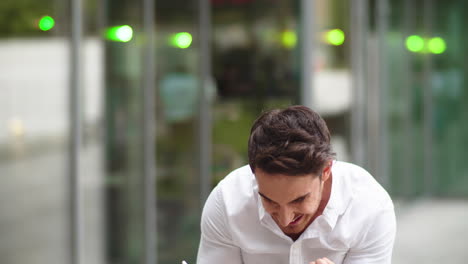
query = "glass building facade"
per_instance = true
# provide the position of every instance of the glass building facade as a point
(117, 118)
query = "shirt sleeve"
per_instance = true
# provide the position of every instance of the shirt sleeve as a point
(216, 245)
(376, 245)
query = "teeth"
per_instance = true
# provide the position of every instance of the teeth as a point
(295, 219)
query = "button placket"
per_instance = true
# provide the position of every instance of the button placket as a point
(295, 253)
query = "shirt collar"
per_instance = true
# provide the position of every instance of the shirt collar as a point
(340, 196)
(261, 210)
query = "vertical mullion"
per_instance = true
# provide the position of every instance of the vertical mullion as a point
(428, 104)
(382, 28)
(307, 48)
(149, 124)
(204, 110)
(359, 13)
(75, 133)
(405, 184)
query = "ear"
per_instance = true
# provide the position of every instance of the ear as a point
(326, 172)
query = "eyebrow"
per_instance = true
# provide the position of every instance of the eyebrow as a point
(293, 201)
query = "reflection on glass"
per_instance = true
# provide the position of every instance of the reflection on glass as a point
(426, 112)
(177, 82)
(333, 93)
(256, 66)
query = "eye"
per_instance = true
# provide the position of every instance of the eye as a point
(299, 200)
(267, 200)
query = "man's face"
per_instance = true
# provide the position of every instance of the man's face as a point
(292, 201)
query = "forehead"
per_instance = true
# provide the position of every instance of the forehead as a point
(284, 188)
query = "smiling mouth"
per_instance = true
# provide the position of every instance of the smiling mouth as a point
(296, 220)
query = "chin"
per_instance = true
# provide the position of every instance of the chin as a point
(294, 230)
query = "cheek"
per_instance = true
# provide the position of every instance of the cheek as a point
(309, 208)
(301, 209)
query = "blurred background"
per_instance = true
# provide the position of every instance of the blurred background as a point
(118, 117)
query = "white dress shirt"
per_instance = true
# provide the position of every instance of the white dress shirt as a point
(357, 226)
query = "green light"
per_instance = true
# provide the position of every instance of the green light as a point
(181, 40)
(46, 23)
(414, 43)
(335, 36)
(120, 33)
(436, 45)
(289, 39)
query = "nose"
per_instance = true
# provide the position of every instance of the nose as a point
(285, 216)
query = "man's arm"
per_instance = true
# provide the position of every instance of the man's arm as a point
(376, 245)
(216, 244)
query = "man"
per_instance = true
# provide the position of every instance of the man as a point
(294, 203)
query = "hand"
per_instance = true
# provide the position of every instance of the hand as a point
(322, 261)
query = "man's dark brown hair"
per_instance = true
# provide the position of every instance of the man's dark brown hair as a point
(292, 141)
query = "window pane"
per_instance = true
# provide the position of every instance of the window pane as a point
(256, 66)
(34, 70)
(177, 151)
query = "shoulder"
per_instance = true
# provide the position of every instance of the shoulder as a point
(237, 189)
(364, 190)
(370, 208)
(242, 176)
(232, 194)
(229, 204)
